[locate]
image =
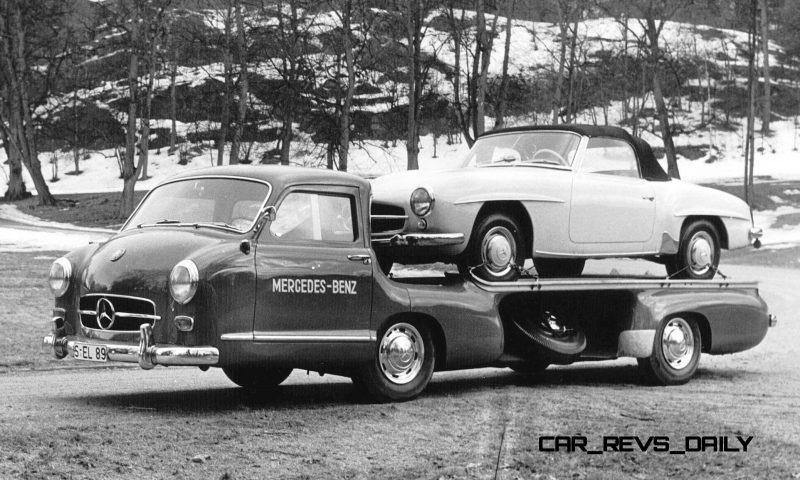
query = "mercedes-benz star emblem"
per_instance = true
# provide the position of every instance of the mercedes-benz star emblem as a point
(117, 255)
(105, 314)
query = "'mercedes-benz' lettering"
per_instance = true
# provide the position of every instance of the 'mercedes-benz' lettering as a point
(314, 286)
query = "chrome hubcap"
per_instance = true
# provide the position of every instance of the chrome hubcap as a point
(701, 253)
(401, 353)
(498, 251)
(677, 343)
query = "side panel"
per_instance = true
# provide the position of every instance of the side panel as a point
(468, 316)
(737, 318)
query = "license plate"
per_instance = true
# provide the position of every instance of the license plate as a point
(93, 353)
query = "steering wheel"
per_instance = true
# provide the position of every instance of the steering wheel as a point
(552, 153)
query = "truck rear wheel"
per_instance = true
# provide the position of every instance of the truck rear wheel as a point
(255, 378)
(402, 365)
(676, 353)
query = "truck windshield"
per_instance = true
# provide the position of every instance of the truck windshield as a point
(524, 148)
(227, 203)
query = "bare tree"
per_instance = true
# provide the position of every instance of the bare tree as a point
(241, 48)
(766, 110)
(19, 21)
(499, 109)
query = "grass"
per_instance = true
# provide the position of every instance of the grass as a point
(84, 209)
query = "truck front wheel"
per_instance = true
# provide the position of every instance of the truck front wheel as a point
(402, 365)
(255, 378)
(676, 353)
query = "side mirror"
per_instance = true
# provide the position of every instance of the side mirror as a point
(270, 213)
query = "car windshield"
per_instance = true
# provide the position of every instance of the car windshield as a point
(228, 203)
(524, 148)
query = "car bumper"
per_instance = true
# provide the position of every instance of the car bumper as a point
(146, 354)
(421, 239)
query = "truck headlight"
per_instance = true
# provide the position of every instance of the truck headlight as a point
(183, 281)
(59, 276)
(421, 201)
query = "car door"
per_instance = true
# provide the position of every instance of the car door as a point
(612, 208)
(314, 269)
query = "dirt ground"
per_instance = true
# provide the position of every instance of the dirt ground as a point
(62, 420)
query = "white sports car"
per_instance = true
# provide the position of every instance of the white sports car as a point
(559, 195)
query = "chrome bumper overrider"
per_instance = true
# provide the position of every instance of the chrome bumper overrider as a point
(421, 239)
(146, 354)
(754, 235)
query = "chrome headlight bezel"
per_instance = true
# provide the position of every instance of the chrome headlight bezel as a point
(60, 276)
(183, 280)
(423, 203)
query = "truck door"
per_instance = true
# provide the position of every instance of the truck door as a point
(313, 268)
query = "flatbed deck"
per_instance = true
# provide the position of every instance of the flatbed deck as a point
(607, 282)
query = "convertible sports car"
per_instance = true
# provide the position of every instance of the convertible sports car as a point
(559, 195)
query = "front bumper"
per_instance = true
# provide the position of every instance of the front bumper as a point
(146, 354)
(421, 239)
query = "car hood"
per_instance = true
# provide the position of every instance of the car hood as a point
(138, 261)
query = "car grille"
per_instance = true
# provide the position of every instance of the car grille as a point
(122, 313)
(387, 219)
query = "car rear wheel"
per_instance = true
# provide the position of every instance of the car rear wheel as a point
(559, 267)
(676, 353)
(256, 378)
(402, 365)
(496, 249)
(698, 252)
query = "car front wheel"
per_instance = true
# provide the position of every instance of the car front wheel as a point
(676, 353)
(698, 252)
(496, 249)
(402, 365)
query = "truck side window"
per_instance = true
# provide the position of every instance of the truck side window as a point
(610, 156)
(316, 217)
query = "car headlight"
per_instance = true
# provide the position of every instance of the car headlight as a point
(421, 201)
(183, 281)
(59, 276)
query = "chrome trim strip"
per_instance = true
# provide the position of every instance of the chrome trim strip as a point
(337, 336)
(422, 239)
(237, 337)
(601, 255)
(196, 177)
(519, 198)
(389, 217)
(605, 283)
(124, 315)
(119, 296)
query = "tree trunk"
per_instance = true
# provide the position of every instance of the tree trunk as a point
(286, 136)
(500, 106)
(173, 109)
(661, 107)
(241, 46)
(572, 74)
(484, 49)
(129, 172)
(462, 121)
(562, 62)
(144, 121)
(766, 111)
(16, 187)
(226, 100)
(344, 136)
(413, 26)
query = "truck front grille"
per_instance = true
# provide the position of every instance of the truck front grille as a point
(118, 313)
(387, 219)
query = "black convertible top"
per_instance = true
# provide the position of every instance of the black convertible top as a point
(650, 168)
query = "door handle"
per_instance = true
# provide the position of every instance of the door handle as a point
(365, 259)
(648, 197)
